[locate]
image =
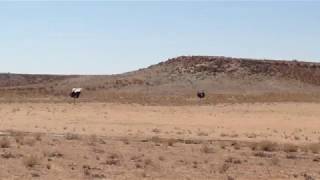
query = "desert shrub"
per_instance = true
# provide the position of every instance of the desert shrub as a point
(155, 139)
(38, 136)
(224, 135)
(113, 159)
(195, 164)
(31, 161)
(224, 168)
(262, 154)
(234, 135)
(86, 170)
(297, 138)
(148, 162)
(29, 141)
(223, 145)
(237, 146)
(156, 130)
(275, 161)
(93, 139)
(126, 141)
(192, 141)
(201, 133)
(291, 156)
(290, 148)
(314, 148)
(19, 138)
(70, 136)
(7, 155)
(206, 149)
(161, 158)
(5, 142)
(171, 142)
(53, 154)
(252, 135)
(233, 160)
(265, 146)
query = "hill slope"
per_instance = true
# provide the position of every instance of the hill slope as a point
(178, 79)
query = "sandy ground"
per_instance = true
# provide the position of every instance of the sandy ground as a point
(126, 141)
(286, 122)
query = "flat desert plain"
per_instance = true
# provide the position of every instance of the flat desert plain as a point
(131, 141)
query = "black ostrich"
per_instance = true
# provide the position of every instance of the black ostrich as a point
(201, 94)
(75, 94)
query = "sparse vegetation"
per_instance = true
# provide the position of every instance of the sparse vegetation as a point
(136, 146)
(142, 159)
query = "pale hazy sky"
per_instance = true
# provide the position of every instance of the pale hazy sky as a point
(114, 37)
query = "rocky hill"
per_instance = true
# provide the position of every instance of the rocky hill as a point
(177, 80)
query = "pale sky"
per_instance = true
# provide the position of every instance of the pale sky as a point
(116, 37)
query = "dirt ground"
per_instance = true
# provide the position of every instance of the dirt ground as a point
(129, 141)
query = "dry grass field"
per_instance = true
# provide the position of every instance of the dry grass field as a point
(131, 141)
(259, 120)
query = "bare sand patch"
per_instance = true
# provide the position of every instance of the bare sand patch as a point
(128, 141)
(294, 122)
